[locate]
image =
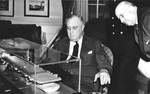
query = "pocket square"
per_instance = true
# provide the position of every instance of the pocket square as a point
(90, 52)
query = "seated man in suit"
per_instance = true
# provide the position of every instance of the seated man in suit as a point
(94, 60)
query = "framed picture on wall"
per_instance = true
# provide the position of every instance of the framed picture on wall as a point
(36, 8)
(7, 8)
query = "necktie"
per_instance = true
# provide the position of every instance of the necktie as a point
(75, 51)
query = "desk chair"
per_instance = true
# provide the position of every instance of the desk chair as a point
(97, 29)
(104, 88)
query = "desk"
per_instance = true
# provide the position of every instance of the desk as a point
(19, 84)
(25, 72)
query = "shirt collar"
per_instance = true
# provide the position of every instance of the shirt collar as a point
(79, 41)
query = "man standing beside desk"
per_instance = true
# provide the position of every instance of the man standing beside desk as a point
(94, 61)
(139, 17)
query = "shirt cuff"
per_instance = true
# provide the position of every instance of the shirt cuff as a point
(104, 70)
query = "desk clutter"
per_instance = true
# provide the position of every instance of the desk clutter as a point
(45, 81)
(21, 70)
(31, 73)
(49, 87)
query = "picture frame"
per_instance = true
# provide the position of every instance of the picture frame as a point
(7, 8)
(38, 8)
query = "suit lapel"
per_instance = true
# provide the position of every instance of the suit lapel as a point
(66, 46)
(85, 46)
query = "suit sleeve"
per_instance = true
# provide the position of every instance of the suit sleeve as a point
(102, 59)
(145, 33)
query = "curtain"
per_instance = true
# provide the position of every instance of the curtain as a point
(68, 8)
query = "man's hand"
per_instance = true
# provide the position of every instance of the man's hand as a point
(104, 77)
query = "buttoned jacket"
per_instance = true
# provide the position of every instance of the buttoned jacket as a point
(93, 57)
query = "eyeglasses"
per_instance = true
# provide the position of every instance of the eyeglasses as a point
(72, 28)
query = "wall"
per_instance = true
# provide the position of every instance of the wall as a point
(51, 25)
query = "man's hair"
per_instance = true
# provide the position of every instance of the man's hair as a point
(122, 7)
(74, 15)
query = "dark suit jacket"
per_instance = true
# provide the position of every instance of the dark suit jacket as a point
(93, 56)
(142, 35)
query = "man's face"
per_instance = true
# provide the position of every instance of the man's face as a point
(127, 15)
(127, 18)
(75, 28)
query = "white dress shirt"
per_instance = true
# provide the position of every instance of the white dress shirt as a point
(144, 68)
(72, 46)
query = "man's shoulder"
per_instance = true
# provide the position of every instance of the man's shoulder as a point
(62, 40)
(144, 11)
(91, 39)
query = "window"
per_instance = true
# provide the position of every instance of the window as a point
(98, 8)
